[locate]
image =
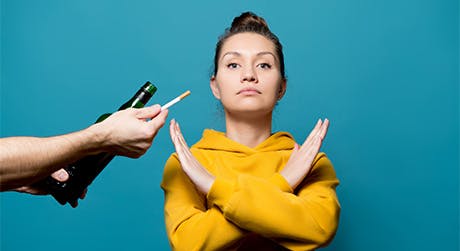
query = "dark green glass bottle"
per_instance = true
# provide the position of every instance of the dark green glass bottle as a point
(84, 171)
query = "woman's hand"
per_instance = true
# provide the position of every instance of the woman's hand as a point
(301, 160)
(202, 179)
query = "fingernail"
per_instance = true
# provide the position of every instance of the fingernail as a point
(62, 175)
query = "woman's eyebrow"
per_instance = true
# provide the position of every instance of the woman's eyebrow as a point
(266, 53)
(231, 53)
(237, 54)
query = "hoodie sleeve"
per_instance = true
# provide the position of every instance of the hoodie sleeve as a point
(304, 219)
(189, 224)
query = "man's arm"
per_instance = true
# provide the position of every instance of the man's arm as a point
(25, 160)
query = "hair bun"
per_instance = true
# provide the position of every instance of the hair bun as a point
(246, 20)
(250, 22)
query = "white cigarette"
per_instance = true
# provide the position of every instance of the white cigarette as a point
(172, 102)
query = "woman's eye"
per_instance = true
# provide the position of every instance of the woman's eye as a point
(265, 66)
(232, 65)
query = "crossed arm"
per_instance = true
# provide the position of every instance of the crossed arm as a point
(219, 212)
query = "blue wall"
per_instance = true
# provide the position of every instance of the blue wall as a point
(384, 72)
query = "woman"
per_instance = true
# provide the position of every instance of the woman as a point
(249, 188)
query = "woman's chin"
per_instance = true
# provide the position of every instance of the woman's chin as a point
(250, 111)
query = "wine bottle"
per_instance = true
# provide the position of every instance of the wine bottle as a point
(84, 171)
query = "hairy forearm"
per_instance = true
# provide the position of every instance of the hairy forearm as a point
(25, 160)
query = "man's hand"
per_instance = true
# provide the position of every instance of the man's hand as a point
(24, 161)
(130, 132)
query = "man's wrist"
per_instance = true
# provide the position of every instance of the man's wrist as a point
(97, 139)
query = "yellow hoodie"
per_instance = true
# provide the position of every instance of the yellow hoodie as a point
(250, 206)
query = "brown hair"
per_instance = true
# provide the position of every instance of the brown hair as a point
(250, 22)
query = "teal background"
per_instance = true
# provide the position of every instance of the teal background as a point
(384, 72)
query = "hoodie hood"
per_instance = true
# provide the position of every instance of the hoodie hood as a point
(217, 141)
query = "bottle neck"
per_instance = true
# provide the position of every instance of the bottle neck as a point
(137, 101)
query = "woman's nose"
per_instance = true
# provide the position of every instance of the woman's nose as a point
(249, 75)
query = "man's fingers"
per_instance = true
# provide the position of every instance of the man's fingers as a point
(74, 204)
(157, 122)
(83, 195)
(148, 112)
(60, 175)
(31, 190)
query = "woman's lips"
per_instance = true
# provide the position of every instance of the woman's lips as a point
(249, 91)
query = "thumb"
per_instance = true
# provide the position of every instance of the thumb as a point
(148, 112)
(60, 175)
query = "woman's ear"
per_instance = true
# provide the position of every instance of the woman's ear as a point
(214, 88)
(282, 89)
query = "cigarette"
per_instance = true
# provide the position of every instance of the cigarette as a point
(172, 102)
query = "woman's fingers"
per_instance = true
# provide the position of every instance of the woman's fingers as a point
(181, 137)
(296, 147)
(320, 131)
(175, 133)
(314, 148)
(174, 137)
(308, 155)
(181, 140)
(182, 150)
(313, 132)
(323, 131)
(301, 159)
(171, 130)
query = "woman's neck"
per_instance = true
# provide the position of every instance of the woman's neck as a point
(249, 131)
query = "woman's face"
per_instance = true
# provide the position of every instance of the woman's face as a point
(248, 78)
